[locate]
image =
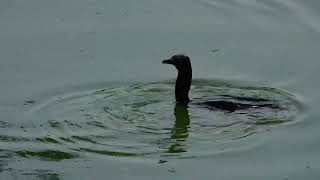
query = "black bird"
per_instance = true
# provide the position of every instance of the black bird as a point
(183, 83)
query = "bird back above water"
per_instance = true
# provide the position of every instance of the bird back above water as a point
(184, 80)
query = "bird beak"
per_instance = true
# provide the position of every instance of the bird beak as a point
(168, 61)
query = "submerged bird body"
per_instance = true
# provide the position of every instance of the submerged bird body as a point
(183, 83)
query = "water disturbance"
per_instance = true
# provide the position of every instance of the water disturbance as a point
(144, 120)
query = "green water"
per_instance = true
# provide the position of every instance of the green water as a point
(83, 93)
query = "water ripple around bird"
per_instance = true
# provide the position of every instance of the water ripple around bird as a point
(143, 120)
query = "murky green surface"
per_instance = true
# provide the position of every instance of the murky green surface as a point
(83, 93)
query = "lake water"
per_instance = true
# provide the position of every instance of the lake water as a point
(84, 94)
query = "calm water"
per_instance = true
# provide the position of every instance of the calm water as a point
(84, 94)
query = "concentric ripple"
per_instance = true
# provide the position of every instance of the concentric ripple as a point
(143, 119)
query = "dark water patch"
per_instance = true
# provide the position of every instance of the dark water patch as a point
(110, 153)
(249, 99)
(143, 119)
(244, 136)
(176, 150)
(269, 122)
(4, 124)
(29, 102)
(72, 123)
(55, 124)
(67, 140)
(214, 50)
(48, 140)
(86, 139)
(48, 155)
(97, 124)
(162, 161)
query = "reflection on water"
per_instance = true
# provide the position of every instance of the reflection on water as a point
(180, 131)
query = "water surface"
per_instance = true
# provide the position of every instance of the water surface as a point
(84, 95)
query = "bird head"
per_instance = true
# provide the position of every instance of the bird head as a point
(179, 61)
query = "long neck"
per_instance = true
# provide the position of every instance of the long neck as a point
(183, 84)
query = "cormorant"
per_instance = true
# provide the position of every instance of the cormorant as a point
(183, 83)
